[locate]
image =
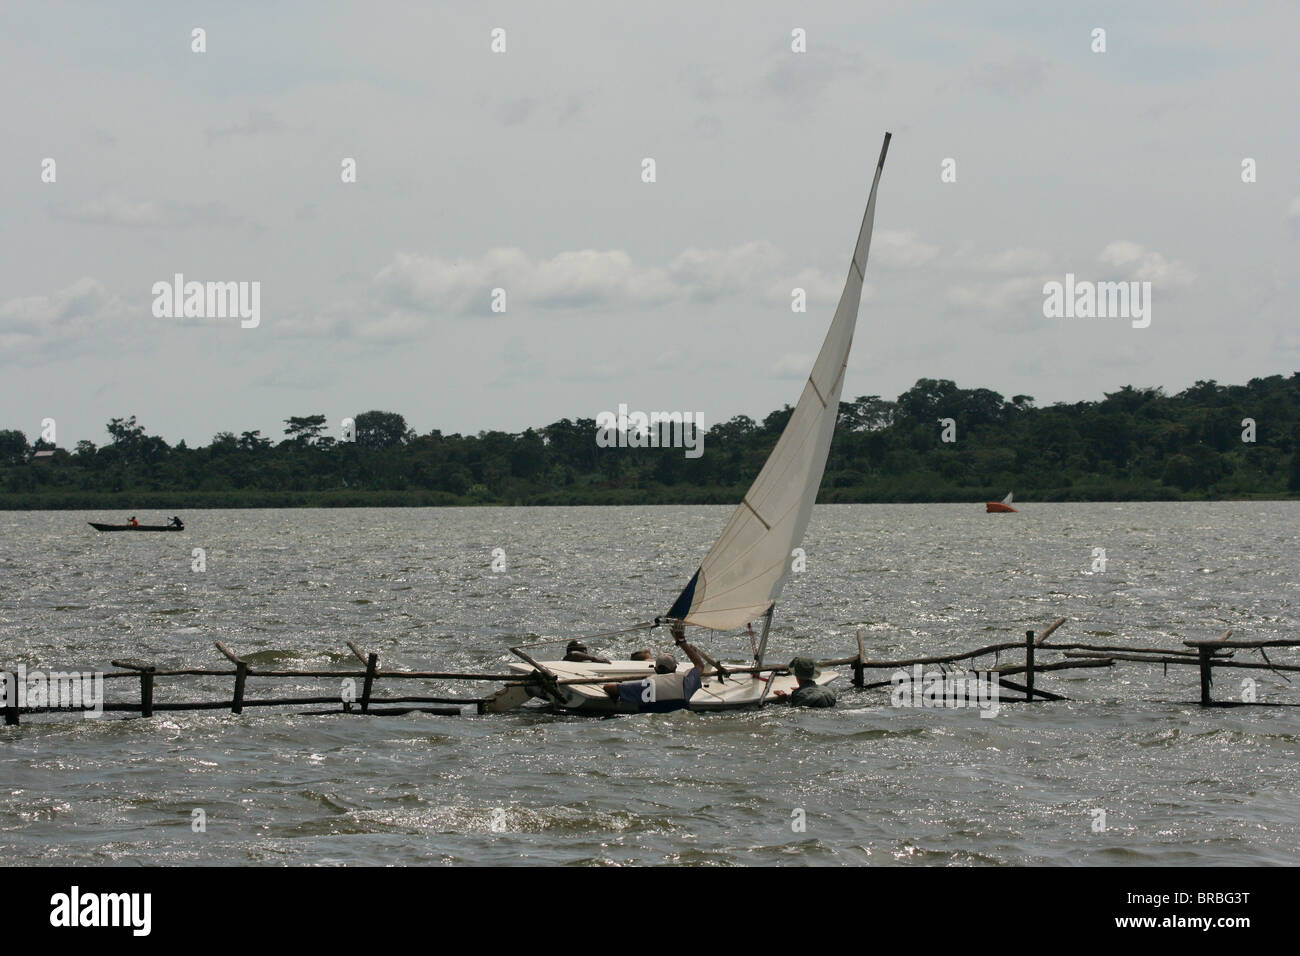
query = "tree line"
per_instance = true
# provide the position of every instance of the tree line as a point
(1208, 441)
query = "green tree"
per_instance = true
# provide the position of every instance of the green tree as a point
(381, 430)
(125, 431)
(253, 441)
(304, 430)
(13, 447)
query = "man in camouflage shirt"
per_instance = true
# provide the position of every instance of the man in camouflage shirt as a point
(809, 693)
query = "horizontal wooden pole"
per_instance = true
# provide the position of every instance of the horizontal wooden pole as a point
(1144, 659)
(997, 648)
(121, 707)
(254, 672)
(185, 672)
(620, 680)
(936, 659)
(1122, 649)
(1255, 666)
(384, 712)
(394, 675)
(1057, 666)
(1020, 669)
(1038, 691)
(1243, 644)
(428, 700)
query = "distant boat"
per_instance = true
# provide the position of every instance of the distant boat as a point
(134, 527)
(1000, 507)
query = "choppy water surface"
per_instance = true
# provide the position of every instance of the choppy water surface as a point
(875, 784)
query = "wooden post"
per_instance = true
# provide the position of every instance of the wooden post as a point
(858, 678)
(372, 663)
(1206, 680)
(547, 677)
(1029, 665)
(146, 692)
(1050, 628)
(241, 674)
(11, 698)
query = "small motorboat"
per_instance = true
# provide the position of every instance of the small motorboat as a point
(1000, 507)
(135, 527)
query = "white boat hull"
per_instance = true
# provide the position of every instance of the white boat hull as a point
(733, 693)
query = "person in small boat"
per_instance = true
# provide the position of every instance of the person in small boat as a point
(133, 522)
(576, 651)
(176, 522)
(809, 693)
(668, 688)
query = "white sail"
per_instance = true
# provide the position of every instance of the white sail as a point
(742, 576)
(1007, 499)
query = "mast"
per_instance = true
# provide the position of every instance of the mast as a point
(762, 640)
(744, 573)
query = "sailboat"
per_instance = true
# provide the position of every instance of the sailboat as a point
(1000, 507)
(742, 576)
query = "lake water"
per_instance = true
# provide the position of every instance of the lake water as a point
(872, 783)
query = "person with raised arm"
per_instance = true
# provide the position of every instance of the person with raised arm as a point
(668, 688)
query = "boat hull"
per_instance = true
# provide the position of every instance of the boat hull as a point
(998, 508)
(715, 694)
(133, 527)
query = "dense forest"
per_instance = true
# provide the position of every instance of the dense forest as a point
(1209, 441)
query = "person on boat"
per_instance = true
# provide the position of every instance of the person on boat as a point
(668, 688)
(576, 651)
(177, 523)
(809, 693)
(133, 522)
(644, 655)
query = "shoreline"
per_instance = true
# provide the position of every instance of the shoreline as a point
(612, 498)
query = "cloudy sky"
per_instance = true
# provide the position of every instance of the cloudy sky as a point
(523, 170)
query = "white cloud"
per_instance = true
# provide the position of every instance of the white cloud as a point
(820, 286)
(708, 273)
(585, 277)
(1145, 264)
(998, 296)
(592, 278)
(1018, 259)
(60, 323)
(793, 365)
(900, 250)
(1293, 216)
(116, 210)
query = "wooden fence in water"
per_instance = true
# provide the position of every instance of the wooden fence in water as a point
(1206, 655)
(348, 700)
